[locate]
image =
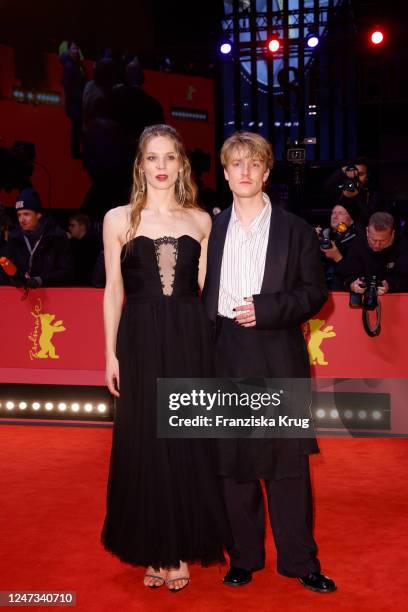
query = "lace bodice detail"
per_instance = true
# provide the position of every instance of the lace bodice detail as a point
(166, 254)
(161, 267)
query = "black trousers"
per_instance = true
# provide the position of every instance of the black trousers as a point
(291, 515)
(289, 499)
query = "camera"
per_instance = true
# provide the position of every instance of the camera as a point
(347, 183)
(324, 239)
(368, 300)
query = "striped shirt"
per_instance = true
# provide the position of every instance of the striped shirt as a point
(243, 262)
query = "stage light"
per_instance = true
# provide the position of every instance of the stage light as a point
(376, 415)
(377, 37)
(320, 413)
(226, 48)
(75, 407)
(362, 414)
(334, 413)
(49, 406)
(101, 408)
(9, 405)
(36, 405)
(274, 45)
(22, 405)
(62, 406)
(312, 41)
(88, 407)
(348, 414)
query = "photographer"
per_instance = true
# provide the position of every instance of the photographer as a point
(335, 241)
(380, 253)
(352, 183)
(37, 247)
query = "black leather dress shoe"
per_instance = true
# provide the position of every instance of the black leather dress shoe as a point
(318, 583)
(237, 577)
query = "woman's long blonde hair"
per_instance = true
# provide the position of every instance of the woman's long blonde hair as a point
(185, 190)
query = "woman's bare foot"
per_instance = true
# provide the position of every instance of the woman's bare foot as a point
(178, 578)
(155, 578)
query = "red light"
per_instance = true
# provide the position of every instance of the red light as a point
(273, 45)
(377, 37)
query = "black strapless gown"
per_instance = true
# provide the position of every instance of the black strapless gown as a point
(164, 502)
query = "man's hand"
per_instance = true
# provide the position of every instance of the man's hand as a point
(356, 287)
(333, 253)
(383, 288)
(246, 314)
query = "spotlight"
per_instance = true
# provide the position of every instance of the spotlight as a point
(376, 415)
(274, 45)
(320, 413)
(101, 408)
(334, 413)
(362, 414)
(49, 406)
(9, 405)
(312, 41)
(377, 37)
(88, 407)
(22, 405)
(226, 48)
(36, 405)
(62, 406)
(75, 407)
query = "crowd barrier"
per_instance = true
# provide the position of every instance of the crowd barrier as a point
(55, 336)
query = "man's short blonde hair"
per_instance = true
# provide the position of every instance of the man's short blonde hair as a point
(254, 146)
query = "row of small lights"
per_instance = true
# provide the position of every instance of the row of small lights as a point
(31, 96)
(348, 414)
(61, 406)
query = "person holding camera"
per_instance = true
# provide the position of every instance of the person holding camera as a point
(379, 253)
(37, 247)
(335, 241)
(352, 183)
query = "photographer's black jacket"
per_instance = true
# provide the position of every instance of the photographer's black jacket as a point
(390, 264)
(52, 260)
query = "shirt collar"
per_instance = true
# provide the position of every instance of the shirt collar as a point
(261, 217)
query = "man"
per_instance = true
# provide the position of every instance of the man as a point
(73, 81)
(336, 241)
(379, 252)
(38, 247)
(85, 248)
(264, 279)
(351, 183)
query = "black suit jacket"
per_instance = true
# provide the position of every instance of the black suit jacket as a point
(293, 290)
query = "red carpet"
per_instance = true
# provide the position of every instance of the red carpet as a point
(52, 484)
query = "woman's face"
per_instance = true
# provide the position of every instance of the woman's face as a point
(160, 163)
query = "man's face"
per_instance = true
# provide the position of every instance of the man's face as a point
(378, 240)
(245, 175)
(340, 215)
(28, 219)
(77, 230)
(362, 173)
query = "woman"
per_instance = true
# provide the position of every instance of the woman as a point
(164, 507)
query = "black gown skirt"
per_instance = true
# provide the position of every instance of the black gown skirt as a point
(164, 502)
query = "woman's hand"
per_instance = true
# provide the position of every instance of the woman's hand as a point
(112, 375)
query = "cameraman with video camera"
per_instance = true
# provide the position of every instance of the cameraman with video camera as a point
(380, 258)
(352, 183)
(335, 241)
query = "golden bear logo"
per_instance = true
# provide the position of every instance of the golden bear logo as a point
(41, 338)
(314, 336)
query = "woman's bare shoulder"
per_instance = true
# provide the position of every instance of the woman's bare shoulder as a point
(202, 218)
